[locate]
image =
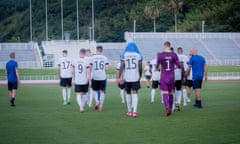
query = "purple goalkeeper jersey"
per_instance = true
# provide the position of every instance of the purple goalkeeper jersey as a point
(167, 60)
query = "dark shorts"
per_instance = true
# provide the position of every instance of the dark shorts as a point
(148, 77)
(121, 86)
(178, 84)
(155, 84)
(66, 82)
(81, 88)
(98, 85)
(132, 86)
(12, 86)
(189, 83)
(197, 84)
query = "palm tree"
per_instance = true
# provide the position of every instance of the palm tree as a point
(153, 11)
(177, 6)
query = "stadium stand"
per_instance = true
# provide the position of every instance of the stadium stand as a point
(27, 54)
(217, 48)
(53, 49)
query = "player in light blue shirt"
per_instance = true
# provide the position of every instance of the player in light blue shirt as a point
(199, 68)
(12, 77)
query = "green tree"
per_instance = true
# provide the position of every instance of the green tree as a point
(153, 11)
(176, 6)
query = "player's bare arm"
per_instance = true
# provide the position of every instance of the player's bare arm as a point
(206, 72)
(89, 75)
(18, 77)
(140, 69)
(107, 66)
(59, 71)
(73, 71)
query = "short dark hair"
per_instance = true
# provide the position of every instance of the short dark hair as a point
(83, 50)
(180, 48)
(167, 43)
(99, 48)
(172, 49)
(65, 51)
(12, 55)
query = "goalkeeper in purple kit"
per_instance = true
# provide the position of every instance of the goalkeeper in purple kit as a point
(167, 60)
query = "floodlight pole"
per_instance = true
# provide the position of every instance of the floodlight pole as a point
(203, 24)
(30, 19)
(93, 21)
(46, 8)
(134, 29)
(62, 17)
(77, 21)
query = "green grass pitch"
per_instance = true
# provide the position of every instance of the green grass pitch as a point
(40, 118)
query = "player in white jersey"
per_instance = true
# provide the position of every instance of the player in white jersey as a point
(121, 83)
(188, 84)
(99, 66)
(65, 76)
(82, 75)
(90, 95)
(131, 64)
(147, 73)
(180, 79)
(155, 79)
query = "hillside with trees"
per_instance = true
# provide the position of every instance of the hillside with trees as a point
(114, 17)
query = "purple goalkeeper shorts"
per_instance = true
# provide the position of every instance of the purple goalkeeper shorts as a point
(167, 86)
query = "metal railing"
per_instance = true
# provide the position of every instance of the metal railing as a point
(211, 75)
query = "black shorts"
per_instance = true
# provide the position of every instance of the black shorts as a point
(12, 86)
(121, 86)
(148, 77)
(155, 84)
(66, 82)
(81, 88)
(189, 83)
(132, 86)
(98, 85)
(178, 84)
(197, 84)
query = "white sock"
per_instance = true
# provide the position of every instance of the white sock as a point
(90, 94)
(134, 102)
(184, 92)
(153, 94)
(102, 97)
(64, 94)
(84, 100)
(95, 94)
(122, 95)
(79, 100)
(179, 97)
(129, 102)
(161, 97)
(174, 101)
(68, 94)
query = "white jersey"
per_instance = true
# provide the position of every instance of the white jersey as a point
(155, 72)
(190, 75)
(81, 65)
(147, 70)
(89, 59)
(131, 68)
(178, 74)
(118, 66)
(99, 63)
(65, 64)
(183, 58)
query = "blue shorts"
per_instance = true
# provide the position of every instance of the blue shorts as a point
(12, 86)
(197, 84)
